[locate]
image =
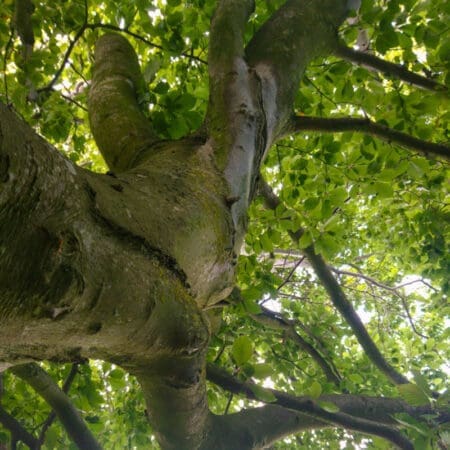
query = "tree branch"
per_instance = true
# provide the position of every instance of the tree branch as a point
(388, 68)
(285, 44)
(65, 388)
(227, 34)
(68, 51)
(114, 99)
(310, 408)
(18, 432)
(362, 125)
(70, 418)
(394, 290)
(337, 296)
(23, 10)
(277, 321)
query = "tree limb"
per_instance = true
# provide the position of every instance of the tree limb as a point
(388, 68)
(114, 98)
(227, 34)
(70, 418)
(311, 408)
(337, 296)
(18, 432)
(365, 125)
(65, 388)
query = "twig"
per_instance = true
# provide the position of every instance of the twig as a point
(93, 26)
(277, 321)
(394, 290)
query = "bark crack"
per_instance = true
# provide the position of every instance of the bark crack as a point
(136, 242)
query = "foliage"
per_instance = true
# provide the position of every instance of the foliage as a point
(377, 213)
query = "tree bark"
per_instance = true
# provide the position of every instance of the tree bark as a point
(121, 266)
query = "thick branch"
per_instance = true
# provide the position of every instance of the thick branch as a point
(120, 129)
(23, 10)
(70, 418)
(344, 306)
(18, 432)
(360, 420)
(65, 388)
(295, 34)
(337, 296)
(333, 125)
(388, 68)
(227, 34)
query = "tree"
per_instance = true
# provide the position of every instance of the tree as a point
(273, 221)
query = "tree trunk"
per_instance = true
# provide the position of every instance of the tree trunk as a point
(121, 267)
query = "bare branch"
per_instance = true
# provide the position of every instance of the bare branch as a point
(23, 10)
(337, 296)
(388, 68)
(70, 418)
(311, 408)
(363, 125)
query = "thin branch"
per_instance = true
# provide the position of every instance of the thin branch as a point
(337, 295)
(18, 432)
(277, 321)
(365, 125)
(5, 63)
(52, 416)
(310, 408)
(291, 273)
(69, 416)
(106, 26)
(68, 52)
(394, 290)
(388, 68)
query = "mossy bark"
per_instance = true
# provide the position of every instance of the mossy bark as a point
(121, 267)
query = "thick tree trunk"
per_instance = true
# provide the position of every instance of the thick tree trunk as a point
(120, 267)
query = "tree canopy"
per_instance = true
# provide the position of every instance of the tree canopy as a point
(329, 325)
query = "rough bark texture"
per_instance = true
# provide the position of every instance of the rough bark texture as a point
(120, 267)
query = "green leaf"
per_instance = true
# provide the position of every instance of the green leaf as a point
(263, 394)
(306, 240)
(262, 370)
(242, 350)
(328, 406)
(413, 394)
(315, 390)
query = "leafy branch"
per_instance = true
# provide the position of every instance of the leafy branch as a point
(337, 295)
(52, 416)
(309, 407)
(388, 68)
(394, 289)
(18, 432)
(365, 125)
(277, 321)
(61, 404)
